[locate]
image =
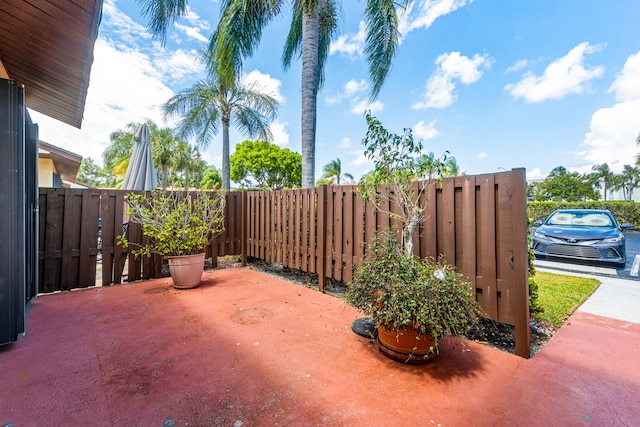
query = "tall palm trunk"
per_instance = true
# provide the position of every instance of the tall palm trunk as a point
(165, 173)
(310, 81)
(226, 180)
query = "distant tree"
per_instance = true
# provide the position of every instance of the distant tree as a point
(194, 168)
(603, 174)
(435, 167)
(210, 102)
(258, 163)
(313, 24)
(211, 179)
(164, 143)
(627, 181)
(533, 191)
(90, 173)
(333, 173)
(450, 168)
(562, 185)
(116, 156)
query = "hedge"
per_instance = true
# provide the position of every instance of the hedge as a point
(624, 212)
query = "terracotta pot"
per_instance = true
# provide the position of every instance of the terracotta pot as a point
(407, 346)
(186, 271)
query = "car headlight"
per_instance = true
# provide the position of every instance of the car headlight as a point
(539, 235)
(613, 239)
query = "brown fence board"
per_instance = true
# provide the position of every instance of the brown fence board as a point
(486, 264)
(428, 230)
(348, 213)
(448, 223)
(468, 257)
(89, 238)
(477, 222)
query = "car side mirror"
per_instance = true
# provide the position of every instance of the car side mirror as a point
(625, 227)
(537, 222)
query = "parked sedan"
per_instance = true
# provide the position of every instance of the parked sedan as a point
(581, 234)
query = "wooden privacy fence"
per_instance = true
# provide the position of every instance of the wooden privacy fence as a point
(478, 223)
(78, 234)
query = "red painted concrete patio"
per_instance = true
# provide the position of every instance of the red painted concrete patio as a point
(249, 349)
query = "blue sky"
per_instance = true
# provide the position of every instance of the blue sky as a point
(499, 84)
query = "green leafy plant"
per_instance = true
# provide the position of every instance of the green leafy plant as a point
(175, 223)
(402, 291)
(398, 290)
(395, 181)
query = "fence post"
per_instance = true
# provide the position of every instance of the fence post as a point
(321, 247)
(520, 257)
(244, 224)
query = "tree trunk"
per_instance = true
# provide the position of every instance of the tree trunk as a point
(165, 171)
(309, 89)
(226, 180)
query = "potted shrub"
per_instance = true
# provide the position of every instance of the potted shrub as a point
(412, 302)
(177, 226)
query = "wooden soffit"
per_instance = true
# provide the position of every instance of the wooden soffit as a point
(47, 46)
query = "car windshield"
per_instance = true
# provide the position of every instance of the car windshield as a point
(581, 219)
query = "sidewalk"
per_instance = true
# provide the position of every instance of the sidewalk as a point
(615, 298)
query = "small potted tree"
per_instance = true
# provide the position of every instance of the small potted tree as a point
(412, 302)
(177, 226)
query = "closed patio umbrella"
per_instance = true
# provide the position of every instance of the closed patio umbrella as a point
(141, 174)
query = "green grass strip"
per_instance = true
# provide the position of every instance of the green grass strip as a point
(561, 295)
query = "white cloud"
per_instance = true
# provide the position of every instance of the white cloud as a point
(451, 67)
(350, 90)
(265, 82)
(409, 19)
(179, 64)
(359, 106)
(351, 45)
(481, 156)
(612, 134)
(564, 76)
(345, 143)
(191, 32)
(425, 131)
(613, 130)
(426, 13)
(193, 29)
(121, 25)
(519, 65)
(138, 95)
(361, 159)
(353, 87)
(535, 174)
(194, 19)
(279, 132)
(627, 85)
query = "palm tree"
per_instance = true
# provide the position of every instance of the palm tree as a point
(630, 180)
(314, 22)
(210, 102)
(116, 156)
(450, 168)
(333, 172)
(602, 172)
(163, 146)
